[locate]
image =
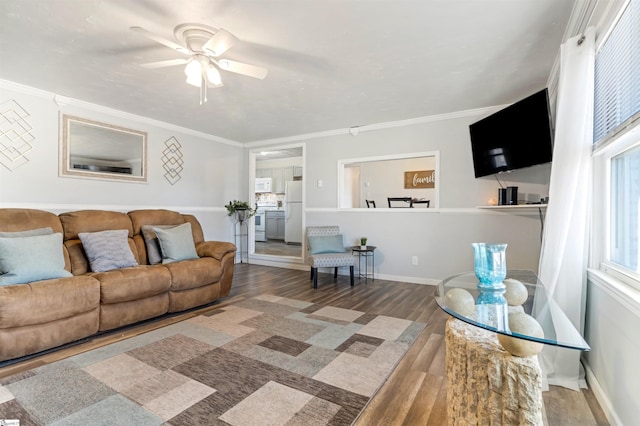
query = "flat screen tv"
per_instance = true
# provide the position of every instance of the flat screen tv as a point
(515, 137)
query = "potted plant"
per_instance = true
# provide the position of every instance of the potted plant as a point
(363, 243)
(240, 209)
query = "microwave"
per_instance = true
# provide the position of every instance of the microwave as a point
(263, 184)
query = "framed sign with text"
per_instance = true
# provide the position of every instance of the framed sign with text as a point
(420, 179)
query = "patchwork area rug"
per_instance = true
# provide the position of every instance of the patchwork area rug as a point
(266, 360)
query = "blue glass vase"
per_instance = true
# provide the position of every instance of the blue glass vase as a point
(490, 267)
(489, 263)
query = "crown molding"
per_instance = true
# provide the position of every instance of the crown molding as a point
(64, 102)
(378, 126)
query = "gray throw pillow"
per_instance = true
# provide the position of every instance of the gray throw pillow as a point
(32, 258)
(107, 250)
(154, 254)
(176, 243)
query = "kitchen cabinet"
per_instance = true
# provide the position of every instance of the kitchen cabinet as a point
(274, 227)
(279, 176)
(287, 174)
(277, 183)
(263, 173)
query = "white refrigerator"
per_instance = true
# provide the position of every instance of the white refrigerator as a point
(293, 212)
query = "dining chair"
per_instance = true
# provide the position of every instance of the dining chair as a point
(408, 202)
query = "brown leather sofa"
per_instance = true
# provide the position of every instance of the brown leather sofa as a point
(45, 314)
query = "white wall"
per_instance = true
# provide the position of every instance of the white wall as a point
(441, 238)
(212, 170)
(612, 324)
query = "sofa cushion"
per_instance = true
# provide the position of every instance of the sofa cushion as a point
(33, 258)
(124, 285)
(91, 221)
(194, 273)
(45, 301)
(176, 243)
(108, 250)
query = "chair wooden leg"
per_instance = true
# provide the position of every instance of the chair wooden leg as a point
(311, 276)
(335, 273)
(351, 274)
(314, 272)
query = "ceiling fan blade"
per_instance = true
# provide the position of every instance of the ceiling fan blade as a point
(221, 41)
(167, 63)
(244, 69)
(160, 40)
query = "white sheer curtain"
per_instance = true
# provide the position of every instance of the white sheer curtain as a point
(564, 253)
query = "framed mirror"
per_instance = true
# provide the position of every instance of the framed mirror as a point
(95, 150)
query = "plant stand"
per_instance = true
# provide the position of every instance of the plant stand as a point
(241, 234)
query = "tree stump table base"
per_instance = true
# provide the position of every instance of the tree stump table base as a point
(486, 385)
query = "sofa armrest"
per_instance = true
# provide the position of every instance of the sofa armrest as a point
(215, 249)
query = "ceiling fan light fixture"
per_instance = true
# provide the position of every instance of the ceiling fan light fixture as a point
(193, 71)
(213, 75)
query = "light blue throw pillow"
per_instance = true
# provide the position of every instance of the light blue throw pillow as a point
(30, 233)
(176, 243)
(108, 250)
(32, 258)
(326, 244)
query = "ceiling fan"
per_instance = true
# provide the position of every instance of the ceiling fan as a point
(203, 46)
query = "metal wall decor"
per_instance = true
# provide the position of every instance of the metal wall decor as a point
(15, 135)
(172, 160)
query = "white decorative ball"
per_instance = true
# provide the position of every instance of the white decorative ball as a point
(460, 300)
(516, 293)
(522, 323)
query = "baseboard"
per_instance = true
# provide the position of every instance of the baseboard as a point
(278, 262)
(296, 263)
(602, 397)
(405, 279)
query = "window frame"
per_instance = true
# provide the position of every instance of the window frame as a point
(615, 142)
(601, 223)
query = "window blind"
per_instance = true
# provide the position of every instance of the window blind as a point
(617, 76)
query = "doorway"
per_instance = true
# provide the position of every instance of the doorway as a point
(279, 229)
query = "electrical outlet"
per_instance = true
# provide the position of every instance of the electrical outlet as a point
(414, 260)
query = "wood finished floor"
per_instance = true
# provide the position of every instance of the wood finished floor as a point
(415, 393)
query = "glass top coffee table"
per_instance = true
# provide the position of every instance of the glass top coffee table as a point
(558, 329)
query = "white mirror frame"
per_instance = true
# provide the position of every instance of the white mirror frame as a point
(108, 152)
(343, 163)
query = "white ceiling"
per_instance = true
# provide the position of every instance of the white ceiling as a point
(333, 64)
